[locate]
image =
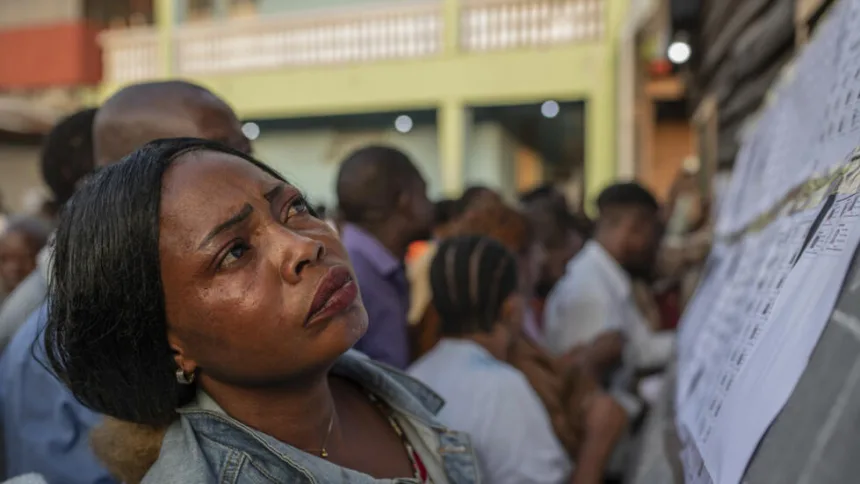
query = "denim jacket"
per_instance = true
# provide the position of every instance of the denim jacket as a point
(207, 446)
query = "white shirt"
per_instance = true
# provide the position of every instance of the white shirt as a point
(595, 296)
(492, 401)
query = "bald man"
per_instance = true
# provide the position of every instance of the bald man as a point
(171, 109)
(30, 397)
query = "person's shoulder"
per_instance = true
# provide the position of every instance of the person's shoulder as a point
(574, 289)
(491, 376)
(21, 344)
(24, 299)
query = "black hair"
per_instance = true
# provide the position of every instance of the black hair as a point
(67, 154)
(630, 194)
(540, 193)
(471, 277)
(445, 211)
(106, 335)
(370, 180)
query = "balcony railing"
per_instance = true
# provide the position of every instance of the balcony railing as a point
(401, 30)
(130, 54)
(511, 24)
(396, 32)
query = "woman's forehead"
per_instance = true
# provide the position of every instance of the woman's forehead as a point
(208, 171)
(202, 189)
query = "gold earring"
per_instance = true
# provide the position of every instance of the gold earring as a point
(184, 379)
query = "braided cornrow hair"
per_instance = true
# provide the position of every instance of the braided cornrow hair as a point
(471, 277)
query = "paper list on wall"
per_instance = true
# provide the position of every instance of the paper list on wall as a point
(799, 135)
(771, 309)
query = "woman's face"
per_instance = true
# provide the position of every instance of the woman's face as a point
(17, 259)
(258, 291)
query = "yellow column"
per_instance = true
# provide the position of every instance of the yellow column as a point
(601, 164)
(451, 19)
(454, 122)
(165, 20)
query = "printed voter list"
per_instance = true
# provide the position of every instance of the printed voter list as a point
(787, 231)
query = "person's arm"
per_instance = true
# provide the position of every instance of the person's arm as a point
(604, 353)
(574, 317)
(605, 423)
(649, 350)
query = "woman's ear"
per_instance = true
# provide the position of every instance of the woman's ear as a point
(183, 362)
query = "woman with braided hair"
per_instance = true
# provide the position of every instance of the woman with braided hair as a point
(475, 282)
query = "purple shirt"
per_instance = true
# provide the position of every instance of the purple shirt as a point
(385, 292)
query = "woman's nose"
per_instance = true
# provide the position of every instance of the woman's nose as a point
(299, 253)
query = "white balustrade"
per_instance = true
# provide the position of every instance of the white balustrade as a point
(397, 31)
(488, 25)
(130, 55)
(401, 30)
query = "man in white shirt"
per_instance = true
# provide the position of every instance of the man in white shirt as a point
(594, 301)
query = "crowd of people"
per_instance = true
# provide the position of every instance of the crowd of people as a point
(187, 316)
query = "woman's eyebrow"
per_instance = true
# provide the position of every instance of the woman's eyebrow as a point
(236, 219)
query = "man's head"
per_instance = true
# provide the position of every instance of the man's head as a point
(144, 112)
(67, 154)
(477, 195)
(379, 187)
(629, 226)
(556, 230)
(545, 194)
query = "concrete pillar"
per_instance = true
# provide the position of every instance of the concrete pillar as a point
(165, 21)
(454, 123)
(451, 26)
(600, 135)
(601, 127)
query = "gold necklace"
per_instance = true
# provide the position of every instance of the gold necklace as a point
(322, 451)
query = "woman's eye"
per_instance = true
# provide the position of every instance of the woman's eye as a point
(296, 207)
(234, 253)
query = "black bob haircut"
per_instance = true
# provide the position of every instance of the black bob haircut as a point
(106, 335)
(471, 277)
(629, 194)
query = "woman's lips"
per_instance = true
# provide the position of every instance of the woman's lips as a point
(336, 292)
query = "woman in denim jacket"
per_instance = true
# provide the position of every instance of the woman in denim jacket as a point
(195, 295)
